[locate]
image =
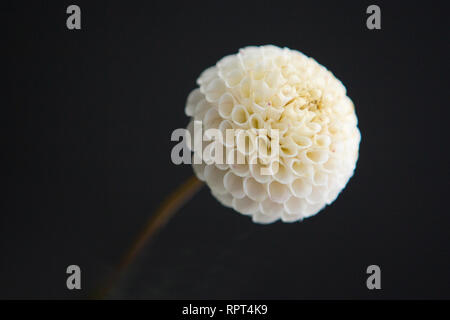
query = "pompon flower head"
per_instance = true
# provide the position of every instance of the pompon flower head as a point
(269, 87)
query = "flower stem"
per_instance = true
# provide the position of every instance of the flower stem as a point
(156, 222)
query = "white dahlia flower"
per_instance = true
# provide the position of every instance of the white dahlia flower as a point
(272, 88)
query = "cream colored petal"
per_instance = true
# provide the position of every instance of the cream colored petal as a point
(245, 142)
(207, 75)
(300, 188)
(234, 185)
(313, 209)
(315, 156)
(201, 109)
(226, 105)
(241, 170)
(261, 218)
(322, 141)
(283, 174)
(225, 199)
(233, 78)
(288, 150)
(302, 142)
(214, 178)
(256, 121)
(274, 78)
(257, 172)
(320, 178)
(270, 208)
(211, 153)
(290, 218)
(245, 88)
(227, 130)
(245, 205)
(254, 190)
(215, 90)
(193, 99)
(199, 170)
(332, 195)
(212, 119)
(295, 206)
(318, 195)
(300, 168)
(239, 115)
(278, 192)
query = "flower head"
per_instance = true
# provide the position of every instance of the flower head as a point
(276, 95)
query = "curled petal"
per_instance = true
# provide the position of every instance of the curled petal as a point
(234, 185)
(278, 192)
(215, 90)
(313, 209)
(254, 190)
(245, 205)
(300, 188)
(239, 115)
(295, 206)
(289, 218)
(282, 175)
(270, 208)
(193, 99)
(214, 178)
(226, 105)
(225, 198)
(318, 195)
(259, 217)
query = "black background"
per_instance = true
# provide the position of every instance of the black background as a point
(87, 123)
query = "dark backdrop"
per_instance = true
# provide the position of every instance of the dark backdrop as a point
(87, 123)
